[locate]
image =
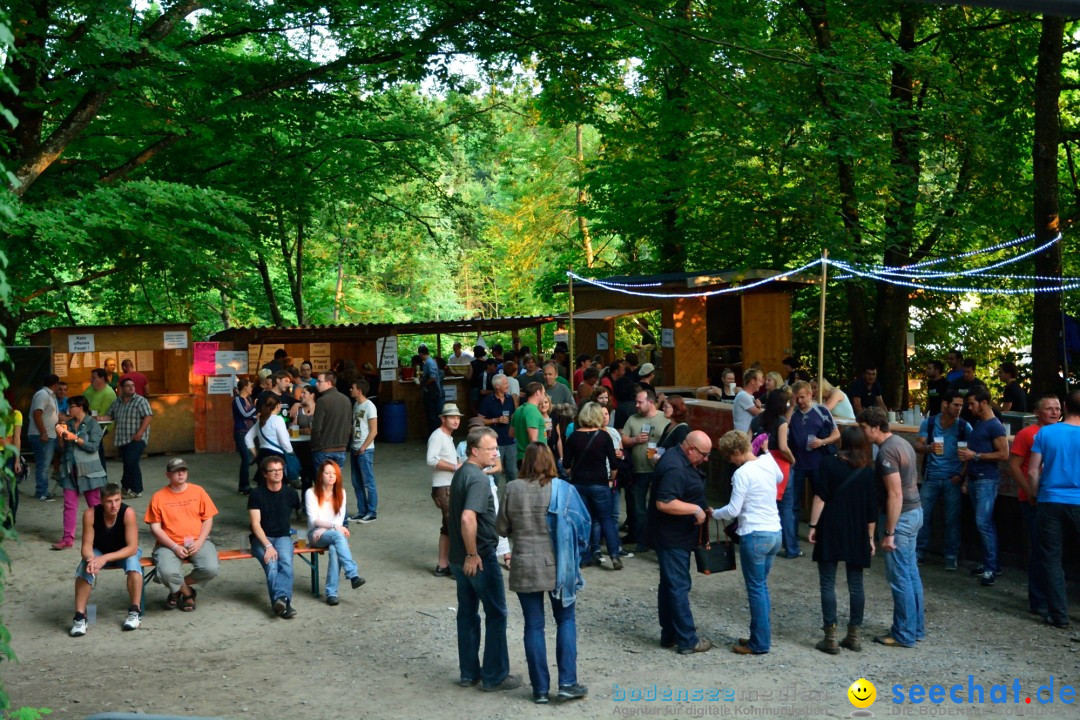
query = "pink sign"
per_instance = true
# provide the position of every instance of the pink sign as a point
(204, 358)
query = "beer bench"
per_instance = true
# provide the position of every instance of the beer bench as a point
(301, 549)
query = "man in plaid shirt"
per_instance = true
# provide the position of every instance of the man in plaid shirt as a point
(131, 413)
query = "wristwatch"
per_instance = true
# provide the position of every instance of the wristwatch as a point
(887, 533)
(977, 456)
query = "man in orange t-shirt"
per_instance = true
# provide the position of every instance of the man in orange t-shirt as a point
(1047, 412)
(181, 516)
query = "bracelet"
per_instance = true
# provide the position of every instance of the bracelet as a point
(268, 546)
(469, 555)
(812, 527)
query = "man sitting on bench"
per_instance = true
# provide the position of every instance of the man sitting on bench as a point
(110, 538)
(270, 506)
(180, 516)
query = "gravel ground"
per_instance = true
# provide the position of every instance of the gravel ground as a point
(389, 649)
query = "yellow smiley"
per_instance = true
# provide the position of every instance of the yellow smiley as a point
(862, 693)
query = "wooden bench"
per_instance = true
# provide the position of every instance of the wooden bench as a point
(301, 549)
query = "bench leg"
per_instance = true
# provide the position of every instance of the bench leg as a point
(315, 575)
(147, 577)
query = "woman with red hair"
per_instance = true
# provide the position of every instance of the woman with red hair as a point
(325, 505)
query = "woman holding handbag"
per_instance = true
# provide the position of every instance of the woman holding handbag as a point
(590, 459)
(273, 439)
(842, 521)
(81, 470)
(753, 502)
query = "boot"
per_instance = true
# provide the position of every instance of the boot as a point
(851, 642)
(828, 645)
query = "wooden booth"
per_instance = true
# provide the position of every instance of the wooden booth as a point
(699, 336)
(161, 352)
(379, 344)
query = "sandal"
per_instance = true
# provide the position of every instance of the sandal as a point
(186, 603)
(171, 600)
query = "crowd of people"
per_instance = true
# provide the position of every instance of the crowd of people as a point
(577, 449)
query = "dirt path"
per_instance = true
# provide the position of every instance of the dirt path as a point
(389, 649)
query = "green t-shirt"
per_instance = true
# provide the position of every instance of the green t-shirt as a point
(525, 417)
(640, 453)
(99, 400)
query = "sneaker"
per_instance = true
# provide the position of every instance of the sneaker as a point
(131, 494)
(357, 582)
(616, 562)
(704, 644)
(134, 620)
(572, 692)
(950, 565)
(369, 518)
(358, 516)
(541, 699)
(48, 497)
(290, 611)
(332, 600)
(279, 606)
(510, 682)
(443, 571)
(987, 578)
(624, 553)
(78, 628)
(977, 570)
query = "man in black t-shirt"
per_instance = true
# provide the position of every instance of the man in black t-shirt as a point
(270, 506)
(865, 392)
(964, 387)
(280, 389)
(1013, 399)
(936, 386)
(473, 539)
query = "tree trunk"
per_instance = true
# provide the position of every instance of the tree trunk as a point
(1046, 332)
(582, 197)
(268, 287)
(893, 306)
(339, 289)
(673, 199)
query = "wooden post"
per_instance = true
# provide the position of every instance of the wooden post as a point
(821, 326)
(570, 328)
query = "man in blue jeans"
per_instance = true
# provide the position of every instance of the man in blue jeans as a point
(476, 569)
(131, 415)
(937, 439)
(810, 431)
(987, 446)
(331, 427)
(1054, 479)
(677, 508)
(362, 447)
(270, 507)
(42, 431)
(897, 473)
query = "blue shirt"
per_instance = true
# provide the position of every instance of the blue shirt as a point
(492, 409)
(1059, 480)
(981, 440)
(948, 464)
(815, 422)
(431, 370)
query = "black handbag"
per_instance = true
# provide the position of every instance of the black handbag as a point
(713, 556)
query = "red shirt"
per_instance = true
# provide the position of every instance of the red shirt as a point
(1021, 447)
(579, 377)
(139, 379)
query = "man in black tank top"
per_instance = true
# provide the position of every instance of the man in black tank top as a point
(110, 538)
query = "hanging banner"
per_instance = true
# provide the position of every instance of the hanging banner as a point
(204, 358)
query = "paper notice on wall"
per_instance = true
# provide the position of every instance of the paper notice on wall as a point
(320, 364)
(174, 340)
(253, 358)
(450, 393)
(75, 362)
(387, 350)
(122, 355)
(667, 337)
(388, 375)
(230, 362)
(220, 384)
(88, 361)
(318, 350)
(203, 355)
(81, 343)
(601, 341)
(144, 360)
(562, 336)
(60, 364)
(266, 353)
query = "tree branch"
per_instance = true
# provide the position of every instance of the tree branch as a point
(69, 283)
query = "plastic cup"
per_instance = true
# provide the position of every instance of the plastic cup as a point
(91, 614)
(939, 446)
(961, 445)
(294, 431)
(651, 450)
(188, 541)
(810, 443)
(646, 428)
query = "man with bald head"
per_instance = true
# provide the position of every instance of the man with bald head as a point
(677, 508)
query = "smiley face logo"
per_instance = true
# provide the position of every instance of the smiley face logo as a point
(862, 693)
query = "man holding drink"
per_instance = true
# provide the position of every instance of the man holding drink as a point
(940, 435)
(642, 432)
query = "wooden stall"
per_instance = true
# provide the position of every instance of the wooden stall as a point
(324, 345)
(706, 334)
(161, 352)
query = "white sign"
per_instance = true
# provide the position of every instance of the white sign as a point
(667, 338)
(220, 384)
(601, 341)
(386, 349)
(81, 343)
(144, 360)
(449, 393)
(232, 362)
(60, 364)
(175, 340)
(319, 349)
(388, 375)
(562, 336)
(320, 364)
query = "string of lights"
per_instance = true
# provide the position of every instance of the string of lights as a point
(972, 253)
(1073, 284)
(616, 287)
(906, 272)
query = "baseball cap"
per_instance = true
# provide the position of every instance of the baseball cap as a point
(176, 464)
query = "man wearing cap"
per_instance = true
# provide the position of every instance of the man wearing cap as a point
(646, 375)
(181, 516)
(443, 459)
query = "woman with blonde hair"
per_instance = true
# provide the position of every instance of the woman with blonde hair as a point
(590, 461)
(325, 505)
(834, 399)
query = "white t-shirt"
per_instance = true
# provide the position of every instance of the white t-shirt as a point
(362, 413)
(515, 386)
(324, 512)
(273, 433)
(741, 414)
(45, 401)
(440, 446)
(753, 496)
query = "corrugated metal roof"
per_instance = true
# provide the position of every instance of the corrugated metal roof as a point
(372, 330)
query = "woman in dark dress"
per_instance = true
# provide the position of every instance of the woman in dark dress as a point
(674, 409)
(842, 523)
(773, 422)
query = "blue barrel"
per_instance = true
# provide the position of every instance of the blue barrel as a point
(392, 425)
